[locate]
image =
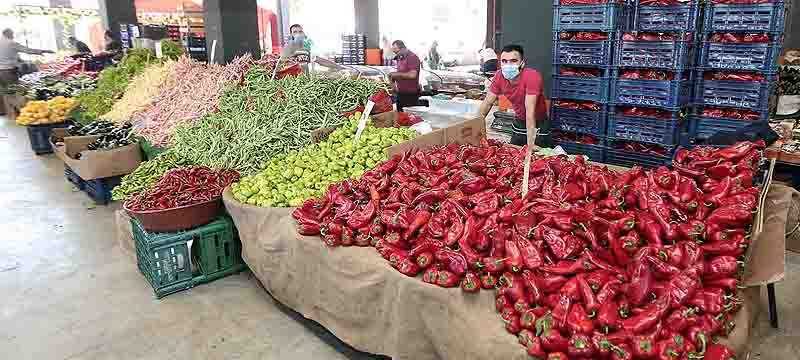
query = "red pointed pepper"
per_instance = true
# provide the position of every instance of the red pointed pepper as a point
(580, 346)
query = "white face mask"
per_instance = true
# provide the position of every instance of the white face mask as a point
(510, 71)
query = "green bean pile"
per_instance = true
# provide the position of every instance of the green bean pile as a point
(147, 174)
(263, 118)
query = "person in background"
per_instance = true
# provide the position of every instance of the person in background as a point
(112, 44)
(406, 78)
(434, 59)
(79, 46)
(488, 60)
(524, 89)
(299, 36)
(9, 58)
(388, 55)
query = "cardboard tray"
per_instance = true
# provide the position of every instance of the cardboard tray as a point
(94, 164)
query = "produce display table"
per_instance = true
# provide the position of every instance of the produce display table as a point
(360, 298)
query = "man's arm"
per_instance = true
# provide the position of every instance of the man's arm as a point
(408, 75)
(530, 116)
(24, 49)
(487, 104)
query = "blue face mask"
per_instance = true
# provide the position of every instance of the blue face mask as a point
(510, 71)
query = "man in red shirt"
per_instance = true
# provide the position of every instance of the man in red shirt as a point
(406, 78)
(523, 88)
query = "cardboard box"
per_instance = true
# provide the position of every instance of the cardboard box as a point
(465, 132)
(94, 164)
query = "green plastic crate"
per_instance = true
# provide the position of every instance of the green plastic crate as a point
(172, 262)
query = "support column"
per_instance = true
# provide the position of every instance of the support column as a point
(530, 24)
(367, 21)
(115, 12)
(234, 25)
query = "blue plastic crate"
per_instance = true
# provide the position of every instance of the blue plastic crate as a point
(677, 55)
(645, 129)
(73, 178)
(630, 159)
(746, 57)
(579, 121)
(751, 95)
(39, 136)
(702, 127)
(667, 94)
(595, 153)
(745, 18)
(604, 17)
(667, 18)
(581, 88)
(100, 189)
(587, 53)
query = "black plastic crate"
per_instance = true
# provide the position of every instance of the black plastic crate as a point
(579, 121)
(745, 18)
(667, 94)
(751, 95)
(594, 153)
(630, 159)
(602, 17)
(595, 89)
(743, 56)
(676, 55)
(646, 129)
(667, 18)
(100, 189)
(39, 136)
(583, 53)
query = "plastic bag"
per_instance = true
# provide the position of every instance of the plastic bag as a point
(579, 72)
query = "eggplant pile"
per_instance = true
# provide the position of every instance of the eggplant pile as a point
(119, 137)
(98, 127)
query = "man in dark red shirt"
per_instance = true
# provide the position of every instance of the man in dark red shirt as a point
(524, 89)
(406, 78)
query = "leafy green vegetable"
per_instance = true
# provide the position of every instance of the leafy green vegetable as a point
(112, 82)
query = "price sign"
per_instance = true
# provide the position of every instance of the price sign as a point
(363, 122)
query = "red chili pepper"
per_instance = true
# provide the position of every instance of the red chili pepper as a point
(710, 301)
(471, 283)
(421, 217)
(682, 287)
(408, 267)
(486, 204)
(531, 256)
(551, 282)
(501, 302)
(719, 352)
(729, 216)
(729, 284)
(561, 311)
(488, 281)
(363, 217)
(641, 283)
(472, 185)
(609, 291)
(425, 260)
(589, 300)
(692, 254)
(512, 324)
(447, 279)
(557, 356)
(507, 213)
(512, 286)
(608, 316)
(532, 286)
(536, 350)
(652, 314)
(551, 338)
(671, 348)
(580, 346)
(661, 268)
(525, 337)
(571, 290)
(721, 267)
(645, 346)
(578, 321)
(454, 261)
(681, 319)
(514, 260)
(430, 197)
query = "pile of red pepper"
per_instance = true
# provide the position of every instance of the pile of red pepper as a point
(183, 187)
(665, 2)
(579, 72)
(651, 36)
(734, 76)
(647, 74)
(644, 112)
(575, 137)
(735, 114)
(736, 38)
(577, 105)
(641, 148)
(583, 36)
(590, 264)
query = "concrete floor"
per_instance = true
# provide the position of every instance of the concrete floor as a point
(69, 292)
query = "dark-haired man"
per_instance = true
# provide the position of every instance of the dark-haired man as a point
(524, 89)
(406, 78)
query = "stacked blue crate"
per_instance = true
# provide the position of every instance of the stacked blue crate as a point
(583, 55)
(652, 84)
(736, 74)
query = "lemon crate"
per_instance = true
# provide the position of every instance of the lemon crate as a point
(39, 135)
(581, 88)
(667, 18)
(769, 18)
(172, 262)
(619, 157)
(704, 127)
(751, 95)
(583, 53)
(646, 129)
(602, 17)
(667, 94)
(676, 55)
(743, 56)
(579, 121)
